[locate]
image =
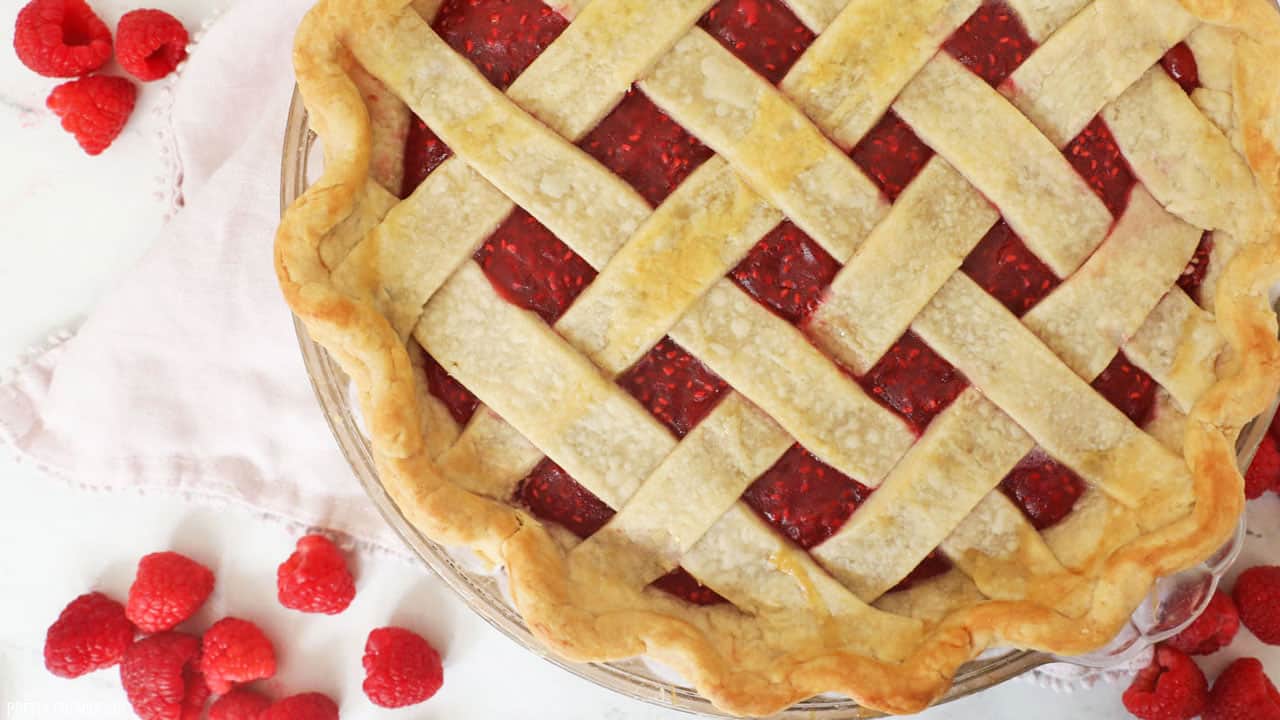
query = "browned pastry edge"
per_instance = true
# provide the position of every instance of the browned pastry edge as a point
(372, 353)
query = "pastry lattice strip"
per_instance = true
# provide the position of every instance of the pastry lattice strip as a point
(678, 117)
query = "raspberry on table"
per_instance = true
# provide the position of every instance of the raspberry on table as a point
(1257, 595)
(1213, 630)
(315, 578)
(150, 43)
(168, 589)
(91, 633)
(61, 38)
(1243, 692)
(239, 704)
(197, 694)
(235, 651)
(306, 706)
(94, 109)
(160, 677)
(1170, 688)
(1264, 472)
(401, 668)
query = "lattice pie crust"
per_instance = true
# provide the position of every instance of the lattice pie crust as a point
(389, 285)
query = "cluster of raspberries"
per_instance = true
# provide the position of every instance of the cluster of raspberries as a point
(1173, 687)
(66, 39)
(170, 674)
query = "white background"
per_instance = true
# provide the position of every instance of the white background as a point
(70, 225)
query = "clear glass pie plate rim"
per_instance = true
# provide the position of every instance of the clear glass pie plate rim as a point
(634, 678)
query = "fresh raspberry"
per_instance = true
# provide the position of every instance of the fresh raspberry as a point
(94, 109)
(197, 694)
(1170, 688)
(1212, 631)
(91, 633)
(168, 589)
(150, 43)
(239, 704)
(315, 578)
(61, 38)
(1243, 692)
(235, 651)
(1257, 595)
(1264, 471)
(160, 677)
(306, 706)
(400, 668)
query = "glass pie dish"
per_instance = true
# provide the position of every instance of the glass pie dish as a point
(1174, 602)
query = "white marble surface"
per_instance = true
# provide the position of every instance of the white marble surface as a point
(71, 225)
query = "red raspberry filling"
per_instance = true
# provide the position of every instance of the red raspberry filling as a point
(914, 381)
(529, 266)
(1095, 155)
(1008, 270)
(644, 146)
(1192, 276)
(680, 583)
(675, 386)
(763, 34)
(423, 153)
(805, 498)
(550, 493)
(1129, 388)
(1045, 489)
(500, 37)
(456, 398)
(891, 154)
(933, 565)
(786, 272)
(992, 42)
(1180, 64)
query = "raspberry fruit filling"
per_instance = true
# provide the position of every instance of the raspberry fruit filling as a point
(805, 498)
(763, 34)
(1003, 266)
(787, 272)
(551, 494)
(644, 146)
(674, 386)
(500, 37)
(1043, 488)
(1180, 64)
(992, 42)
(891, 155)
(1095, 155)
(914, 381)
(531, 268)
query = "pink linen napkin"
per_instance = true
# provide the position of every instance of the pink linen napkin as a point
(187, 377)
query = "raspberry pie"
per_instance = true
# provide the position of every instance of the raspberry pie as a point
(802, 345)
